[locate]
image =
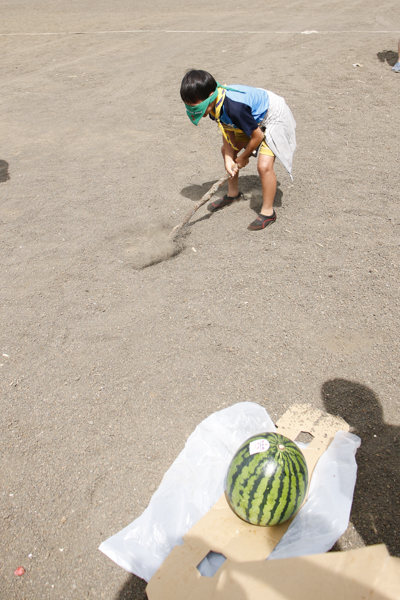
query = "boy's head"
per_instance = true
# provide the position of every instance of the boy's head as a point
(197, 86)
(199, 91)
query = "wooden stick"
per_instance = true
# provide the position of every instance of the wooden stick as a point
(203, 200)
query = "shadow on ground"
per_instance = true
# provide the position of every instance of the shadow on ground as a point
(4, 176)
(134, 588)
(250, 186)
(376, 505)
(388, 56)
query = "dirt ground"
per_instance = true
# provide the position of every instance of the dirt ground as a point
(105, 370)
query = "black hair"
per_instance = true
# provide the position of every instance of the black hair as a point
(196, 86)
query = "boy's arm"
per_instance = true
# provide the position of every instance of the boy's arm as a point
(256, 138)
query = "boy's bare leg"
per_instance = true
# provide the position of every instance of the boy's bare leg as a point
(233, 185)
(233, 182)
(229, 155)
(227, 150)
(265, 167)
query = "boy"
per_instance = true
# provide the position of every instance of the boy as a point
(250, 119)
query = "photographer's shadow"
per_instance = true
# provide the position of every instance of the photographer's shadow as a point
(376, 505)
(134, 588)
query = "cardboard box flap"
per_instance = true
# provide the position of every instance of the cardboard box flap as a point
(388, 581)
(354, 575)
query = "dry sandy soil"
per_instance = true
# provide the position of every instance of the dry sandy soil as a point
(106, 369)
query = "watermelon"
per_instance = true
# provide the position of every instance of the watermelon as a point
(267, 479)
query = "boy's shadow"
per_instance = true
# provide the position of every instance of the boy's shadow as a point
(389, 56)
(250, 186)
(376, 505)
(4, 176)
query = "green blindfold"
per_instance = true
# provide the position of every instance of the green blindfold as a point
(195, 113)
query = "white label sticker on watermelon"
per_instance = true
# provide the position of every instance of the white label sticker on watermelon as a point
(258, 446)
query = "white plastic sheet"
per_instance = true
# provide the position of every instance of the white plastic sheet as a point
(325, 515)
(196, 480)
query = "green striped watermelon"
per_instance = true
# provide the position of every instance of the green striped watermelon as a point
(267, 479)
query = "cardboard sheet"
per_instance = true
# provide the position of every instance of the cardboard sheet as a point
(366, 573)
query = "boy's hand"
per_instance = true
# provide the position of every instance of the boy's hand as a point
(231, 166)
(241, 162)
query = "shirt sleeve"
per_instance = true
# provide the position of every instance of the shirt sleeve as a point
(241, 116)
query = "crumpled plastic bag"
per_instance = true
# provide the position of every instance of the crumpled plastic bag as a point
(196, 479)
